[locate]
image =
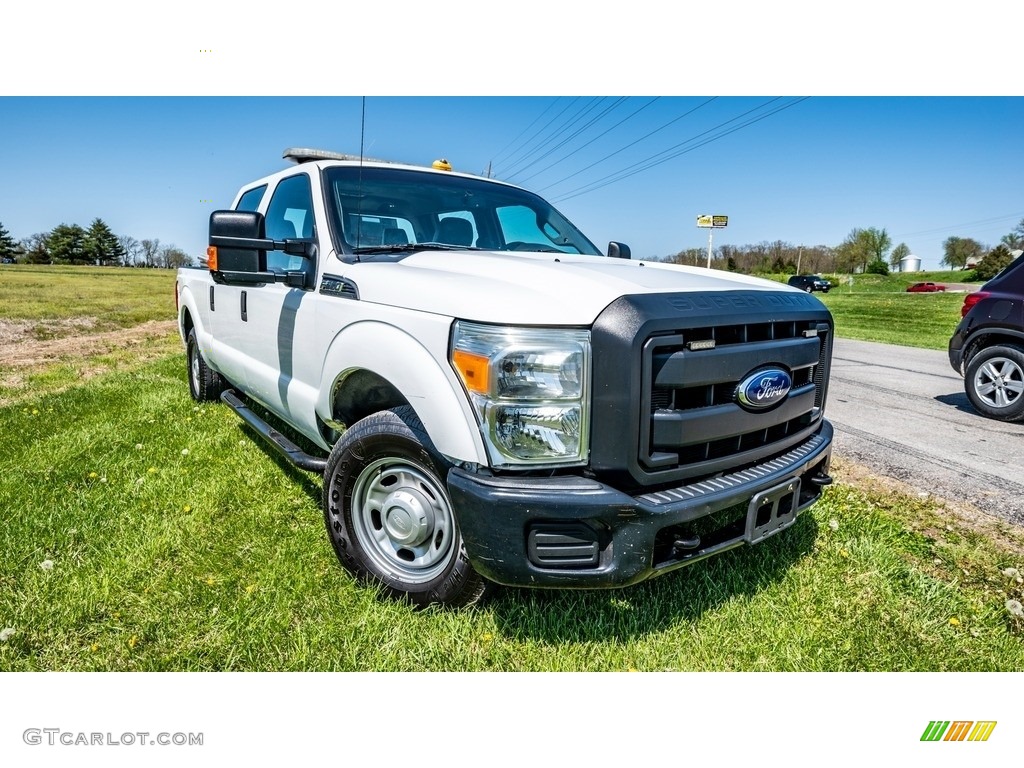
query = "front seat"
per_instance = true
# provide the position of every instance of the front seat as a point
(453, 231)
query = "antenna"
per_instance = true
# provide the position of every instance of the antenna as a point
(359, 205)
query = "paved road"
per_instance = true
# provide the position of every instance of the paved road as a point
(903, 413)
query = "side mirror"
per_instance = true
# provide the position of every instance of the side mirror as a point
(238, 250)
(618, 250)
(238, 247)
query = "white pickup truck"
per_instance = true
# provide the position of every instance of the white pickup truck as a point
(493, 399)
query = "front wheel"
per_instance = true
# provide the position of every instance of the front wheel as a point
(389, 516)
(994, 381)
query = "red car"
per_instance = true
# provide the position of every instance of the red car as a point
(925, 288)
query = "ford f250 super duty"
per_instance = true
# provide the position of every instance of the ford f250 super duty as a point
(492, 398)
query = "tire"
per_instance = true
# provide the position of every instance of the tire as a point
(994, 381)
(204, 383)
(389, 517)
(809, 289)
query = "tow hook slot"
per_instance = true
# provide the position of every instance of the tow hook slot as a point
(772, 510)
(686, 544)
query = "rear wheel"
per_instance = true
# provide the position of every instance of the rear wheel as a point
(204, 383)
(388, 514)
(994, 381)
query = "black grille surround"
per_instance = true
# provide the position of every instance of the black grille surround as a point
(664, 412)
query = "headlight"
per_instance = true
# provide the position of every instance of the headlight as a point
(530, 389)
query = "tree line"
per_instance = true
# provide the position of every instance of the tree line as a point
(72, 244)
(864, 250)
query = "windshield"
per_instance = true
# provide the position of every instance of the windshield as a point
(381, 210)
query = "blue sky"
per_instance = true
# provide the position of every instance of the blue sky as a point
(806, 172)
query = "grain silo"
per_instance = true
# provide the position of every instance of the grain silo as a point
(910, 264)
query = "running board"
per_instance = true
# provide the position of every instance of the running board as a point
(285, 447)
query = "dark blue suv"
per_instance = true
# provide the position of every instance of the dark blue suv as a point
(987, 347)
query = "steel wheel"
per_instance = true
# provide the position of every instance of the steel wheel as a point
(402, 520)
(388, 514)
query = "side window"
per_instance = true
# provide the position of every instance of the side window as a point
(250, 201)
(290, 216)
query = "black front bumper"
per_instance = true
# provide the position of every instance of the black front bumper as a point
(577, 532)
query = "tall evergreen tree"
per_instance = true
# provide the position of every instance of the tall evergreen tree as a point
(100, 245)
(67, 244)
(8, 247)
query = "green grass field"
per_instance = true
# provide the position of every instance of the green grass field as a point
(108, 297)
(909, 319)
(144, 532)
(878, 308)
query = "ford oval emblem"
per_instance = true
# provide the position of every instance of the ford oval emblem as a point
(763, 389)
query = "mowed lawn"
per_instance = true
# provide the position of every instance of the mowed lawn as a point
(142, 531)
(909, 319)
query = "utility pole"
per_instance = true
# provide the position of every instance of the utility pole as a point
(799, 256)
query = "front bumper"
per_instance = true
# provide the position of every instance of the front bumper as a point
(577, 532)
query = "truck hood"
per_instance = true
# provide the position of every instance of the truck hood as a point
(530, 288)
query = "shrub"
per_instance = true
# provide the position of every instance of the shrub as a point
(878, 267)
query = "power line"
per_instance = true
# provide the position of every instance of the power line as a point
(631, 144)
(540, 131)
(569, 123)
(538, 117)
(603, 133)
(953, 227)
(623, 173)
(651, 162)
(569, 138)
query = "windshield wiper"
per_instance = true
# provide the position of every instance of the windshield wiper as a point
(400, 248)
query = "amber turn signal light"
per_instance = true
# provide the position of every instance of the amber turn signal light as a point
(473, 369)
